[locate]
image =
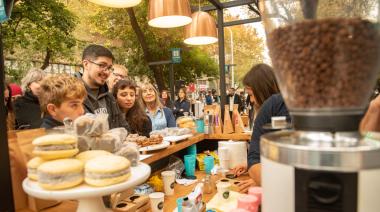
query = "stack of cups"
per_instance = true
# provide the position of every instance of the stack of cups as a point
(190, 165)
(169, 179)
(248, 202)
(209, 164)
(223, 158)
(257, 192)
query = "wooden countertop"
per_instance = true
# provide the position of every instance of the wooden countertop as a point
(173, 148)
(180, 191)
(233, 136)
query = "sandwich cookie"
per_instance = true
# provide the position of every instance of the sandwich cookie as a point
(55, 146)
(60, 174)
(107, 170)
(88, 155)
(32, 165)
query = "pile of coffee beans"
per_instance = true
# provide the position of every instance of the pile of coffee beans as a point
(326, 63)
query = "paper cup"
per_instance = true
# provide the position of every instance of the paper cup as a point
(223, 190)
(169, 179)
(157, 201)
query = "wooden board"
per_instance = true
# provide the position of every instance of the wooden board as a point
(174, 148)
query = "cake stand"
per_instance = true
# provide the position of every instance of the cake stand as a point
(89, 198)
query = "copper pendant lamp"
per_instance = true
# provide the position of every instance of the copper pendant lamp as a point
(116, 3)
(169, 13)
(202, 30)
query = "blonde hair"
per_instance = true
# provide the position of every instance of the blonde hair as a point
(55, 89)
(157, 102)
(123, 68)
(33, 75)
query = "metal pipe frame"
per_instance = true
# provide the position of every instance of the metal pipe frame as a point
(219, 7)
(6, 194)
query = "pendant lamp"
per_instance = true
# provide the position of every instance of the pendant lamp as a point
(202, 30)
(169, 13)
(116, 3)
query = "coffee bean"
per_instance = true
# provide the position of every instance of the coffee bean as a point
(327, 63)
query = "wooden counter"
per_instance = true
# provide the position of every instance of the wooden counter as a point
(233, 136)
(180, 191)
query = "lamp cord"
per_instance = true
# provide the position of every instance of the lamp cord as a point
(199, 5)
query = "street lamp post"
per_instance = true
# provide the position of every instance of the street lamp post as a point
(232, 57)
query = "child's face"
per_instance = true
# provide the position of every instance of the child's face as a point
(72, 109)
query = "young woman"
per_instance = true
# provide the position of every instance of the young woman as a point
(27, 107)
(260, 84)
(166, 101)
(162, 117)
(181, 105)
(124, 92)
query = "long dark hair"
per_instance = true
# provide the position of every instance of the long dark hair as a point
(184, 90)
(135, 116)
(262, 81)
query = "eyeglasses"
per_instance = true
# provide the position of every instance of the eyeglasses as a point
(119, 75)
(103, 67)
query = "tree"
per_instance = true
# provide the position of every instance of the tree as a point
(40, 26)
(142, 44)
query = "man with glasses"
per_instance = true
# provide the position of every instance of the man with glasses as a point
(119, 72)
(97, 66)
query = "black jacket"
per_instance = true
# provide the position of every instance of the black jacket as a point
(48, 123)
(27, 111)
(180, 107)
(115, 117)
(237, 101)
(273, 106)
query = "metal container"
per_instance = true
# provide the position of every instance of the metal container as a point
(320, 171)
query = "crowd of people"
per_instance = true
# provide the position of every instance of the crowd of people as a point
(105, 88)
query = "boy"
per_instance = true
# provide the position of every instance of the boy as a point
(61, 97)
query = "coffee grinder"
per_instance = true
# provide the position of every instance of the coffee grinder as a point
(326, 57)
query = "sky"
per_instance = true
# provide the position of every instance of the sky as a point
(237, 11)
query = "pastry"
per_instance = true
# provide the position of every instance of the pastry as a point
(83, 124)
(184, 119)
(88, 155)
(107, 142)
(32, 165)
(84, 143)
(131, 152)
(107, 170)
(55, 146)
(60, 174)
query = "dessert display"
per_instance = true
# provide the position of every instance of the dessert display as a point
(107, 170)
(60, 174)
(143, 141)
(55, 146)
(32, 165)
(54, 168)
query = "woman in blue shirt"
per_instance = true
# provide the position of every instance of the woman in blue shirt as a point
(161, 117)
